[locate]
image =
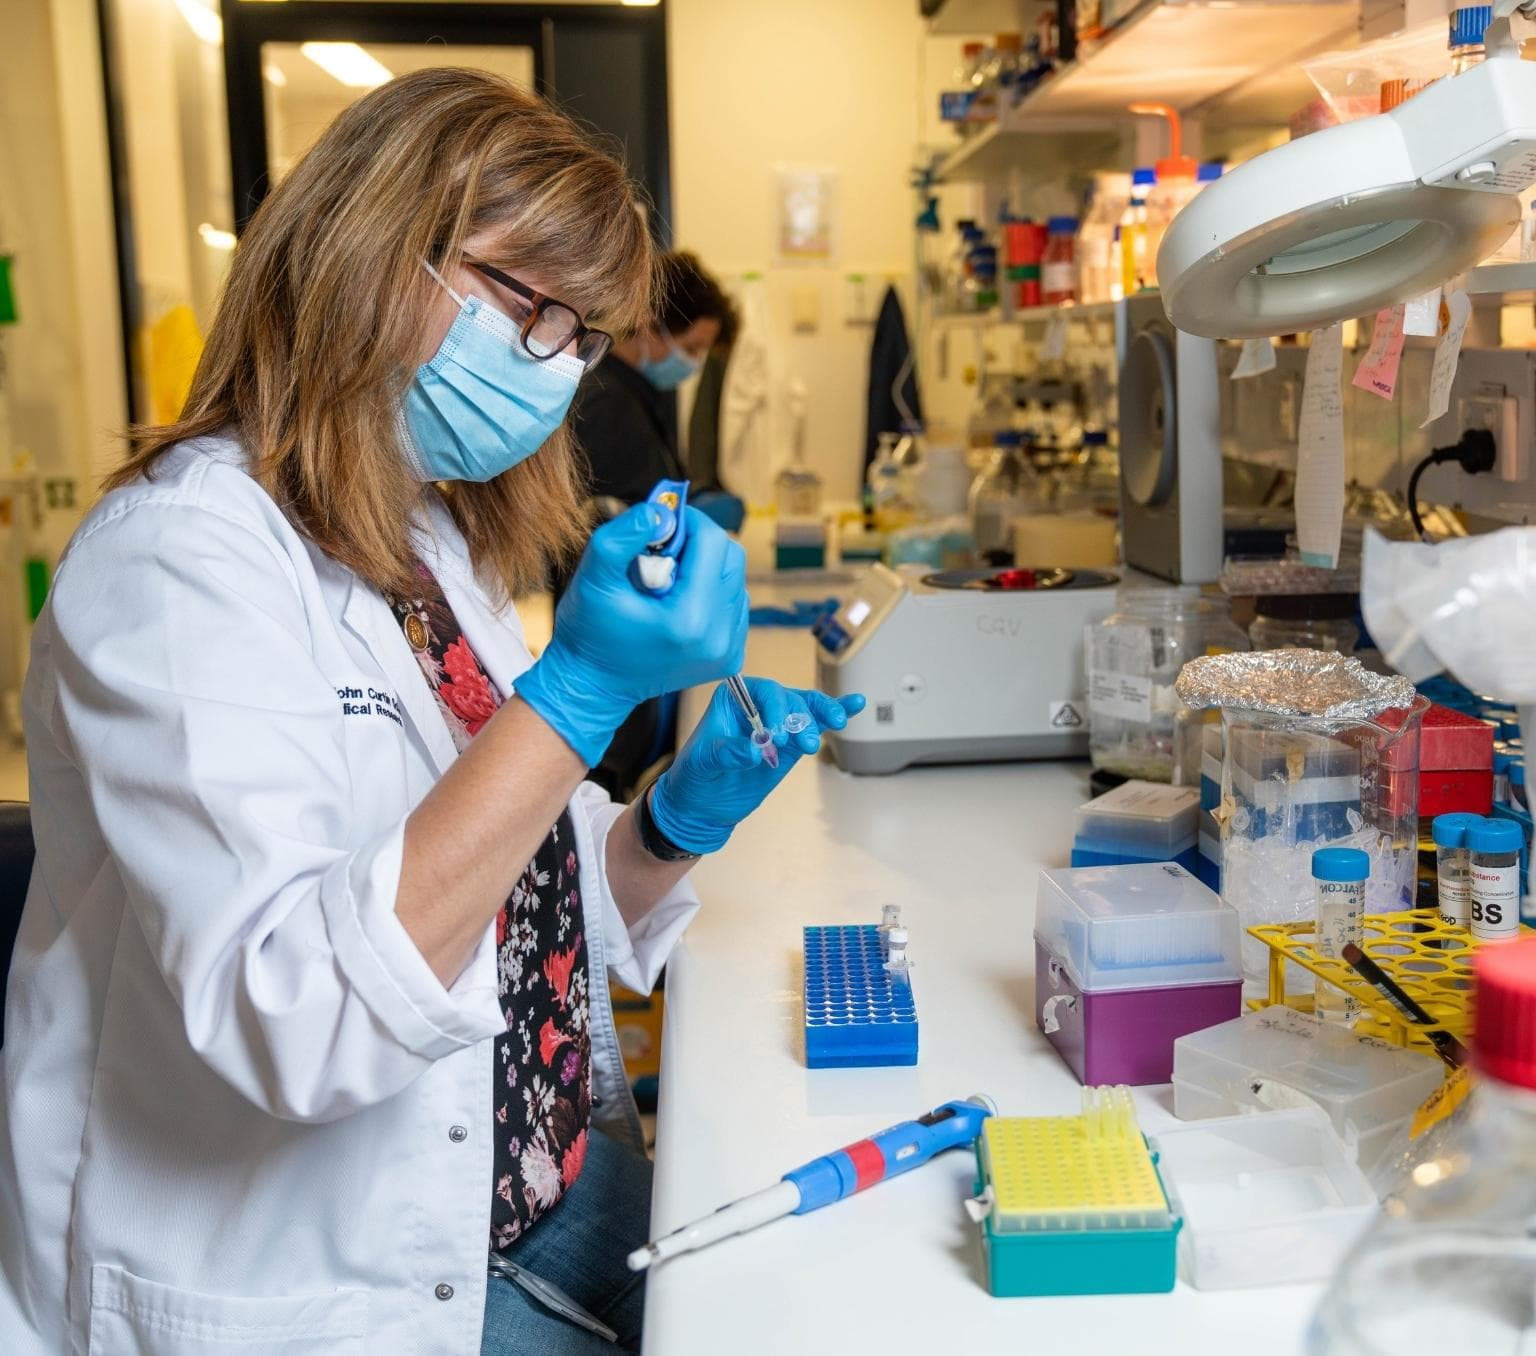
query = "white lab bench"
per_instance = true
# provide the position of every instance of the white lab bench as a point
(894, 1269)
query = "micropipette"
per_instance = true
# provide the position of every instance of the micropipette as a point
(760, 735)
(830, 1178)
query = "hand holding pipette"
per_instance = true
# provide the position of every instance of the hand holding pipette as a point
(718, 777)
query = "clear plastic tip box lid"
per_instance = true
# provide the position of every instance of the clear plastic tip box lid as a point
(1142, 926)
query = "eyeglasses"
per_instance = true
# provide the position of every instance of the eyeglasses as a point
(548, 326)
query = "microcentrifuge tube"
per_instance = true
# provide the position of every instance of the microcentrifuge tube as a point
(764, 741)
(795, 722)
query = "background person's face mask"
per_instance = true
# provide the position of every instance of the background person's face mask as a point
(483, 403)
(667, 374)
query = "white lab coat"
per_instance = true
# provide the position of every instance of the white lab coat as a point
(233, 1089)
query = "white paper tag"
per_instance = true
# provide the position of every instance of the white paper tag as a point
(1447, 354)
(1053, 348)
(1421, 316)
(1119, 696)
(1320, 452)
(1257, 357)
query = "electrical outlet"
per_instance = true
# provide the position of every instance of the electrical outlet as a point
(1490, 406)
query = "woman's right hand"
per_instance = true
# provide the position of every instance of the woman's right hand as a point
(615, 646)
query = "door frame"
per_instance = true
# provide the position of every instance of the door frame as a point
(247, 26)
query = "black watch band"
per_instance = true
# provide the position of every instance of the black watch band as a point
(652, 839)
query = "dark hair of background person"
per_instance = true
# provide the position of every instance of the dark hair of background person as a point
(689, 294)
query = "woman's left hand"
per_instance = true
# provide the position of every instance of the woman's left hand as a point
(719, 776)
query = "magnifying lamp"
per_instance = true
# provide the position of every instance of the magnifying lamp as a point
(1348, 220)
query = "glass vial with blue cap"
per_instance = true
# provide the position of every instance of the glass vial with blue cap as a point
(1340, 875)
(1453, 867)
(1494, 849)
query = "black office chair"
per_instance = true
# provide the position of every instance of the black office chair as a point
(16, 853)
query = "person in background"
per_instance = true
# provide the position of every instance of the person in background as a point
(309, 1046)
(623, 417)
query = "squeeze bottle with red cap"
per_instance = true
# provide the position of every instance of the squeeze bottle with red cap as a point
(1450, 1265)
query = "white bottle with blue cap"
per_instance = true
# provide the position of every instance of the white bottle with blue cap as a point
(1494, 849)
(1340, 874)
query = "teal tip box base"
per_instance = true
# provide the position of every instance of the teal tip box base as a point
(1078, 1261)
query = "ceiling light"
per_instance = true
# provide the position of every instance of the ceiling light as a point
(348, 63)
(214, 238)
(274, 74)
(204, 22)
(1358, 217)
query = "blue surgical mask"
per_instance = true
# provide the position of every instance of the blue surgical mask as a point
(483, 403)
(667, 374)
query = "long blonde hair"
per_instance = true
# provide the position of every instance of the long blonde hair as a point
(318, 330)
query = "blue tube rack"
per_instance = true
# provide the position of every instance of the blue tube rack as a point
(857, 1014)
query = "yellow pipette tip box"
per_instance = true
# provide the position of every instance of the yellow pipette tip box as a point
(1074, 1204)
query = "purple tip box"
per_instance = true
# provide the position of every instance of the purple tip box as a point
(1127, 960)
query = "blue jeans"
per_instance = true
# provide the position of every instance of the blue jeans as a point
(580, 1246)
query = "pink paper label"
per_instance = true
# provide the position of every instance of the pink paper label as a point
(1377, 372)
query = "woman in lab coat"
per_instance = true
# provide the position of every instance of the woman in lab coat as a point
(308, 1016)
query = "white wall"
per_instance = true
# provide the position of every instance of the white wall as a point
(808, 84)
(65, 378)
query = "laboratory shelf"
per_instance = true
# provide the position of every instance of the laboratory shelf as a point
(1516, 283)
(1187, 55)
(967, 17)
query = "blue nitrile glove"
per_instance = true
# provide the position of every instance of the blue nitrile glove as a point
(615, 646)
(719, 778)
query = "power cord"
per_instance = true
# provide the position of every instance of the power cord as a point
(1475, 453)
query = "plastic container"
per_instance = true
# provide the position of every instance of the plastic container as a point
(1450, 1267)
(941, 482)
(1138, 822)
(1493, 851)
(1453, 867)
(1135, 267)
(1293, 784)
(1073, 1205)
(1277, 1057)
(1340, 875)
(1058, 273)
(1007, 488)
(1133, 657)
(885, 492)
(1265, 1200)
(1098, 268)
(1127, 960)
(1323, 621)
(1464, 42)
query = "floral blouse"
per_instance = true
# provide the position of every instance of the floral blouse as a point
(543, 1065)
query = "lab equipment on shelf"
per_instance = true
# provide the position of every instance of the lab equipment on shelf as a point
(1134, 656)
(1135, 264)
(1025, 243)
(885, 494)
(1339, 875)
(1264, 1200)
(1138, 822)
(1493, 851)
(832, 1177)
(1276, 1057)
(859, 1008)
(1058, 269)
(1127, 960)
(1319, 752)
(1450, 1267)
(1099, 277)
(1073, 1205)
(941, 480)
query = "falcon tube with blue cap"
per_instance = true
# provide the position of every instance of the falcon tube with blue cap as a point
(832, 1177)
(656, 571)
